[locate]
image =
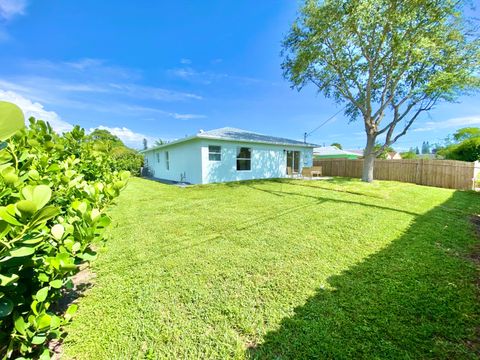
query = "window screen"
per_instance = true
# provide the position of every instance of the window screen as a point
(214, 153)
(244, 159)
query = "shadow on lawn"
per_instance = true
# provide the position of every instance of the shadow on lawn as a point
(322, 199)
(414, 299)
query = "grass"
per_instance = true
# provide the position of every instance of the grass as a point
(283, 269)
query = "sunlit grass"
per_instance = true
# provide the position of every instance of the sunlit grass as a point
(286, 269)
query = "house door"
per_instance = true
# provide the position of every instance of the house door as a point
(293, 162)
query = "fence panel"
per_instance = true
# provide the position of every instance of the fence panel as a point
(440, 173)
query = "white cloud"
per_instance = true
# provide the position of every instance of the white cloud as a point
(129, 137)
(186, 116)
(85, 63)
(155, 93)
(36, 110)
(185, 61)
(450, 123)
(145, 109)
(208, 77)
(12, 8)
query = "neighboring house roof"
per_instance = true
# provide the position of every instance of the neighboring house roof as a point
(332, 151)
(233, 134)
(393, 155)
(359, 152)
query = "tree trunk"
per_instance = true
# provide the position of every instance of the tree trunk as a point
(369, 159)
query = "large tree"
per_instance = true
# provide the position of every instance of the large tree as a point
(388, 61)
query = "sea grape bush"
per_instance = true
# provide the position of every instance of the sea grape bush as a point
(53, 194)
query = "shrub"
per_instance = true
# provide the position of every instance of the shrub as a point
(53, 194)
(127, 159)
(467, 150)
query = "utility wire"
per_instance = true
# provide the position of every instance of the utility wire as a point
(305, 135)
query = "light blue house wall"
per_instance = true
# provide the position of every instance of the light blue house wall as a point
(268, 161)
(185, 163)
(189, 161)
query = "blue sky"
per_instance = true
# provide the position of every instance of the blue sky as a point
(167, 69)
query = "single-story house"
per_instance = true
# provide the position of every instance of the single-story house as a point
(227, 154)
(333, 152)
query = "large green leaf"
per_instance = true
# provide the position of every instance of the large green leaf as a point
(11, 119)
(41, 195)
(57, 284)
(45, 214)
(20, 325)
(7, 280)
(43, 321)
(20, 252)
(42, 294)
(8, 217)
(57, 231)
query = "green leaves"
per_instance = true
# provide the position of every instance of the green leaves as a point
(57, 284)
(20, 325)
(54, 190)
(21, 252)
(11, 119)
(7, 280)
(57, 231)
(40, 195)
(41, 294)
(387, 61)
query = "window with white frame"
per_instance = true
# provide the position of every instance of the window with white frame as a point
(244, 159)
(167, 160)
(158, 156)
(214, 153)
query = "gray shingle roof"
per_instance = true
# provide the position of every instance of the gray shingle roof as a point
(233, 134)
(229, 133)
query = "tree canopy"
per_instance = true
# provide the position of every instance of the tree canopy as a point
(126, 158)
(387, 61)
(466, 133)
(466, 146)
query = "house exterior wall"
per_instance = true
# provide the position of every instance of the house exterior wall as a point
(267, 161)
(184, 162)
(189, 161)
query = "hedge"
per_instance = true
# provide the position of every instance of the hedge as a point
(53, 194)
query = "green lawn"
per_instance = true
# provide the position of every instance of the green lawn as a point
(283, 269)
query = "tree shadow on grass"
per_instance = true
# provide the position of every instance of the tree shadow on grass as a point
(323, 199)
(414, 299)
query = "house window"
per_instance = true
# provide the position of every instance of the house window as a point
(214, 153)
(167, 160)
(244, 159)
(158, 157)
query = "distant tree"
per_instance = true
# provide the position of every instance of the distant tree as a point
(145, 144)
(409, 155)
(124, 157)
(159, 142)
(104, 140)
(386, 60)
(384, 150)
(417, 151)
(338, 145)
(104, 136)
(425, 147)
